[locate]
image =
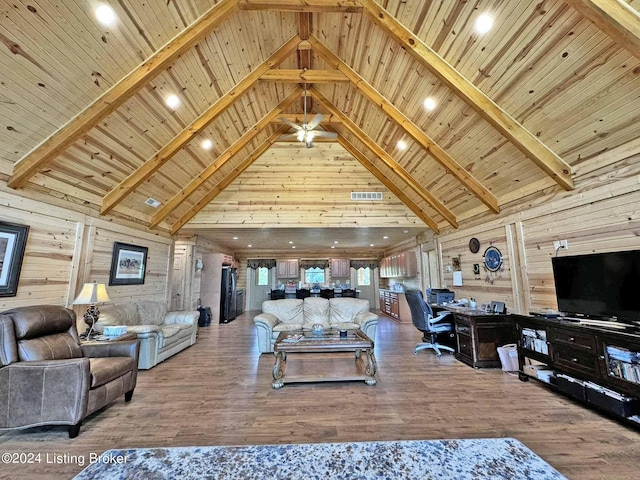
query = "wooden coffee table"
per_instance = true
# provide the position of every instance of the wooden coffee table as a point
(311, 368)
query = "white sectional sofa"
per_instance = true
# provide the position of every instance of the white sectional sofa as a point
(161, 333)
(292, 314)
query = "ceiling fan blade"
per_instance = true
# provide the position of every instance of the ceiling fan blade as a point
(315, 121)
(322, 133)
(288, 136)
(291, 124)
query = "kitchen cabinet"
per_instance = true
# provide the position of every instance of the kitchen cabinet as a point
(287, 268)
(400, 265)
(340, 267)
(395, 305)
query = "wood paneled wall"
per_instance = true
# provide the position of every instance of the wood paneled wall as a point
(602, 215)
(66, 249)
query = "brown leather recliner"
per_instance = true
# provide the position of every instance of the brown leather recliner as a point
(48, 378)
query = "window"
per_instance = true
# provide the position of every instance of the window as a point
(314, 275)
(364, 276)
(262, 276)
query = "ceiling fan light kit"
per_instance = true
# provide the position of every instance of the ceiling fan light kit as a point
(305, 131)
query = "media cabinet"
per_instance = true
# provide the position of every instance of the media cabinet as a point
(595, 364)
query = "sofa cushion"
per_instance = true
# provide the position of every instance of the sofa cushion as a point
(152, 313)
(170, 330)
(286, 327)
(316, 310)
(344, 310)
(126, 314)
(105, 369)
(287, 311)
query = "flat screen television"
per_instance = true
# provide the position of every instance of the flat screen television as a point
(603, 286)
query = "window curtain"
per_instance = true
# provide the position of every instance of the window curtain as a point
(256, 263)
(306, 264)
(356, 264)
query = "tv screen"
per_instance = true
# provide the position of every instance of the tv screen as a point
(601, 285)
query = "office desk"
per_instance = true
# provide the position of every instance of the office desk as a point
(479, 334)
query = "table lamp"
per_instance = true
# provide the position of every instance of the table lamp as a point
(91, 294)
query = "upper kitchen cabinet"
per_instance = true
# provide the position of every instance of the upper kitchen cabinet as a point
(400, 265)
(287, 268)
(340, 267)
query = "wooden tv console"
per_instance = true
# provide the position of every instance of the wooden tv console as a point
(596, 364)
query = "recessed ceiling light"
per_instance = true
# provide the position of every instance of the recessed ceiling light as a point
(484, 23)
(335, 241)
(207, 144)
(290, 242)
(402, 145)
(429, 104)
(293, 246)
(105, 14)
(333, 246)
(249, 245)
(385, 237)
(172, 101)
(405, 231)
(371, 245)
(235, 238)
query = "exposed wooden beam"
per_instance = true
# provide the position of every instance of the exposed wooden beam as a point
(442, 157)
(348, 6)
(222, 159)
(304, 76)
(387, 159)
(616, 18)
(227, 180)
(393, 188)
(122, 91)
(524, 140)
(299, 118)
(151, 165)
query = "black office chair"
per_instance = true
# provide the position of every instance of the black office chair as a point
(423, 319)
(303, 293)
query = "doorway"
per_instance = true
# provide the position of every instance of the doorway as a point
(259, 282)
(365, 281)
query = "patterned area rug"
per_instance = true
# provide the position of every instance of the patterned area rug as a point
(495, 458)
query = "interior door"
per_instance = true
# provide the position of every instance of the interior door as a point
(256, 294)
(178, 283)
(367, 291)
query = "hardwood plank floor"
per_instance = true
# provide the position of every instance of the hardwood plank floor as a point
(218, 392)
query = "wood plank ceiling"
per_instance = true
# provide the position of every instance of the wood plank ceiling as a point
(83, 112)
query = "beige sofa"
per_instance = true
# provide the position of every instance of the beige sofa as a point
(161, 333)
(292, 314)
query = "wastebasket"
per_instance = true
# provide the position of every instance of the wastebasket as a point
(509, 357)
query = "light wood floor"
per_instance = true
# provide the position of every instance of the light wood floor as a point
(218, 392)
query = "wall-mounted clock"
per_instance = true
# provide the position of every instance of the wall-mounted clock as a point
(474, 245)
(492, 259)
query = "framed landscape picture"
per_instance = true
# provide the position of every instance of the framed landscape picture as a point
(13, 239)
(128, 264)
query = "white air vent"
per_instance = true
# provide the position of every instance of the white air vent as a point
(366, 195)
(152, 202)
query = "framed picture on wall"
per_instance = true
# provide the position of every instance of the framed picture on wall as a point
(13, 239)
(128, 264)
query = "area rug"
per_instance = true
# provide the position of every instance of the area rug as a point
(495, 459)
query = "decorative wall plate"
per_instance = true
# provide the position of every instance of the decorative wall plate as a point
(474, 245)
(492, 259)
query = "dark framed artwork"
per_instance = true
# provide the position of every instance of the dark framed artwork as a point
(13, 240)
(128, 264)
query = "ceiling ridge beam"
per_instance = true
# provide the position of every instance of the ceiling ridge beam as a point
(228, 179)
(392, 187)
(347, 6)
(511, 129)
(615, 18)
(299, 118)
(222, 159)
(438, 153)
(294, 75)
(162, 156)
(387, 159)
(109, 101)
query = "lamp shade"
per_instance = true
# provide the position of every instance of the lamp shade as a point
(91, 294)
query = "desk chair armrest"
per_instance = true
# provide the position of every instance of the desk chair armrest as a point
(442, 317)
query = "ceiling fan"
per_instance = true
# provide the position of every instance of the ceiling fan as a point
(305, 132)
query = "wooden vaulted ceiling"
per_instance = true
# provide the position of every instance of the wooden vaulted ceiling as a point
(554, 84)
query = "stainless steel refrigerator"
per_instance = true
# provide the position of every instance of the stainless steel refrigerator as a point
(228, 294)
